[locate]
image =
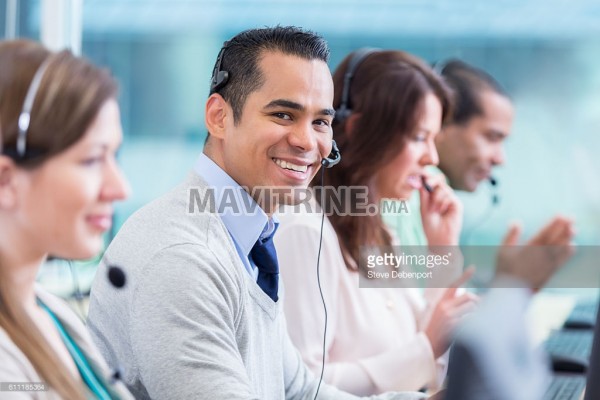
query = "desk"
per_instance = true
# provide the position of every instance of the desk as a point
(547, 312)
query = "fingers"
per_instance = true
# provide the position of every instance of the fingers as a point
(512, 235)
(462, 300)
(452, 310)
(559, 230)
(441, 199)
(462, 305)
(562, 233)
(464, 278)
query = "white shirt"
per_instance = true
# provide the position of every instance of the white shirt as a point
(374, 340)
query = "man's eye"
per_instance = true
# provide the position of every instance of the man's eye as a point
(322, 122)
(495, 138)
(91, 161)
(281, 115)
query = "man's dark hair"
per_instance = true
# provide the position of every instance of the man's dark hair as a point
(467, 83)
(242, 54)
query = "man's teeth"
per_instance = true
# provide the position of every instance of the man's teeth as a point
(289, 165)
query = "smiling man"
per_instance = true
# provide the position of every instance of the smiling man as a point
(200, 316)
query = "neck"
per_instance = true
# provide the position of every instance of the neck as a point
(20, 278)
(19, 265)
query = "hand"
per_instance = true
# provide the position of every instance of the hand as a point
(441, 212)
(448, 312)
(542, 255)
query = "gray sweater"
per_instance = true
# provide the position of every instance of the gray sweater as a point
(191, 323)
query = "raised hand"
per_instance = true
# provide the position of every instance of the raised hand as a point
(441, 212)
(535, 262)
(448, 312)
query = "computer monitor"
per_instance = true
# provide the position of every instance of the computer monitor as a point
(492, 357)
(484, 362)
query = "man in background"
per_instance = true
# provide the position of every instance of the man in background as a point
(470, 144)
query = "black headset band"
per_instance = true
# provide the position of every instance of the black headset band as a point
(358, 57)
(219, 76)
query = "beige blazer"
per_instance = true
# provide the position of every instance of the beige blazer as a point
(15, 367)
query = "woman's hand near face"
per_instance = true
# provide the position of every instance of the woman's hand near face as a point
(441, 212)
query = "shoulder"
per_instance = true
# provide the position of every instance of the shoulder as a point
(15, 366)
(167, 227)
(60, 308)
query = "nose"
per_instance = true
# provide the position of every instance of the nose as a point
(430, 157)
(303, 137)
(498, 156)
(115, 185)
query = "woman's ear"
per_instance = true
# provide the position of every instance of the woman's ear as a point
(216, 113)
(8, 187)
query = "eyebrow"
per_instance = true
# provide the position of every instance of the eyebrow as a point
(496, 132)
(104, 146)
(427, 131)
(296, 106)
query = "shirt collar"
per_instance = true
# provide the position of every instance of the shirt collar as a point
(244, 228)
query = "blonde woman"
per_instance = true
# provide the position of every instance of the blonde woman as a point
(58, 180)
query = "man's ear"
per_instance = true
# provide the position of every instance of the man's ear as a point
(216, 114)
(8, 187)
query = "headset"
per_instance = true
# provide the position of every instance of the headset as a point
(440, 66)
(21, 152)
(345, 109)
(219, 76)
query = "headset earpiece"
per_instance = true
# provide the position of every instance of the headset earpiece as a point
(219, 77)
(345, 109)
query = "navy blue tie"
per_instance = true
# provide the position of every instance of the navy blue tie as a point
(265, 257)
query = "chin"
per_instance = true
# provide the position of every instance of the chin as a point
(471, 186)
(403, 194)
(88, 248)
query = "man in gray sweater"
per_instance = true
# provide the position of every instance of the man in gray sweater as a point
(200, 316)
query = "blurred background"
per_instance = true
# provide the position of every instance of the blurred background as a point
(546, 53)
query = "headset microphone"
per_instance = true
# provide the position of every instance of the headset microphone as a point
(116, 276)
(334, 157)
(495, 198)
